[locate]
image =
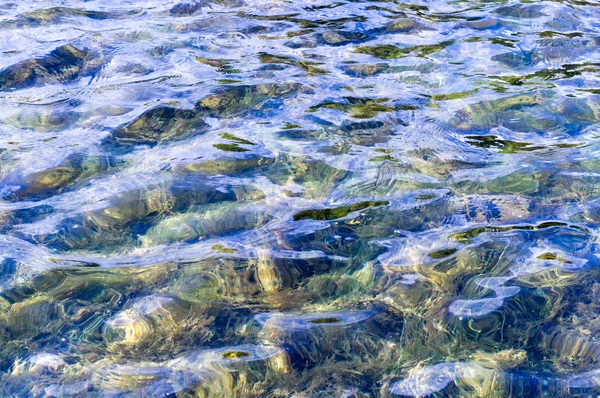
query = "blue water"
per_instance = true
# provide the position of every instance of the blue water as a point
(239, 198)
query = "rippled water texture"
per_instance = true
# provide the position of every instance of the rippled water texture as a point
(238, 198)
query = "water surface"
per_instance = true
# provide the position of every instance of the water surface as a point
(237, 198)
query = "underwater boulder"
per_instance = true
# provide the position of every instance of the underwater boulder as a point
(482, 24)
(563, 21)
(311, 338)
(429, 380)
(550, 50)
(315, 177)
(521, 11)
(563, 49)
(488, 114)
(228, 165)
(342, 37)
(111, 225)
(218, 220)
(33, 316)
(233, 101)
(365, 70)
(54, 15)
(518, 59)
(43, 121)
(229, 371)
(64, 64)
(583, 110)
(187, 9)
(160, 124)
(57, 179)
(405, 25)
(150, 317)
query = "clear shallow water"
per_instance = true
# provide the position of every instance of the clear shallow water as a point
(239, 198)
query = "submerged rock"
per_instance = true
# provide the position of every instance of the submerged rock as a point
(488, 114)
(55, 180)
(431, 379)
(309, 66)
(360, 108)
(517, 59)
(233, 101)
(112, 224)
(368, 133)
(43, 121)
(228, 165)
(406, 26)
(186, 9)
(52, 15)
(561, 49)
(580, 109)
(521, 11)
(160, 124)
(214, 221)
(150, 317)
(342, 37)
(315, 177)
(62, 65)
(338, 212)
(310, 338)
(388, 51)
(33, 316)
(563, 21)
(227, 371)
(293, 322)
(364, 70)
(558, 49)
(486, 23)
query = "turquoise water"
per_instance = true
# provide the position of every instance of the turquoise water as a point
(239, 198)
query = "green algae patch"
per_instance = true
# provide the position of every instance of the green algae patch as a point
(504, 146)
(236, 101)
(566, 71)
(223, 249)
(230, 148)
(388, 51)
(473, 233)
(385, 51)
(384, 158)
(507, 146)
(549, 34)
(552, 256)
(338, 212)
(453, 96)
(436, 255)
(235, 354)
(335, 23)
(494, 40)
(364, 70)
(321, 321)
(360, 108)
(220, 65)
(308, 66)
(235, 139)
(426, 196)
(228, 81)
(503, 111)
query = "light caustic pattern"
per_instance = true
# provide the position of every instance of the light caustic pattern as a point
(238, 198)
